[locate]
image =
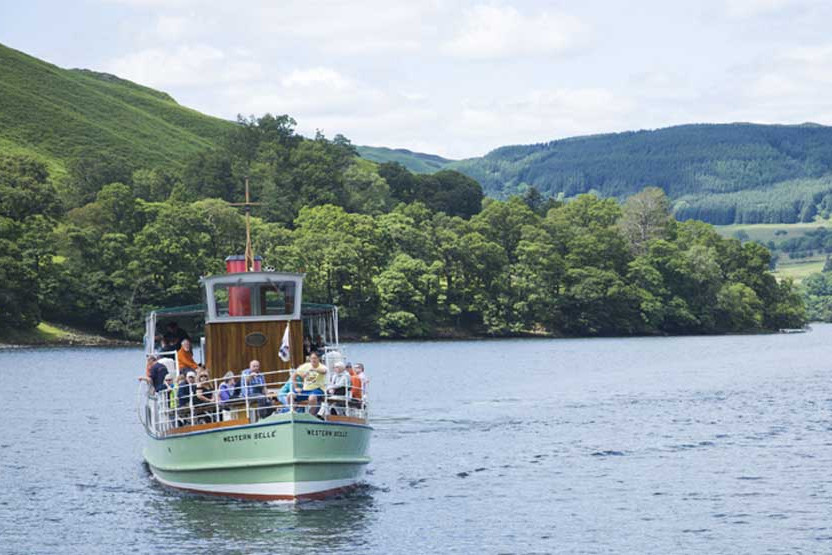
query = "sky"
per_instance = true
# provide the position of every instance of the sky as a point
(453, 78)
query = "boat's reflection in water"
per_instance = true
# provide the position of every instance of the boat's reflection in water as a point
(337, 522)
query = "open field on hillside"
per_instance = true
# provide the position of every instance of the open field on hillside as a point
(799, 269)
(767, 232)
(795, 268)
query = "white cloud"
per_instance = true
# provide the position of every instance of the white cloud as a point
(317, 77)
(186, 65)
(753, 8)
(543, 115)
(491, 32)
(337, 27)
(803, 73)
(173, 27)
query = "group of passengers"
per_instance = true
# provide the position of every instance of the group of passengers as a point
(317, 346)
(193, 395)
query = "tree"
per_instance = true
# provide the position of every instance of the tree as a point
(646, 216)
(403, 184)
(208, 175)
(366, 191)
(89, 170)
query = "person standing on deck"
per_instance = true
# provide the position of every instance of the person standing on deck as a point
(356, 386)
(314, 382)
(174, 336)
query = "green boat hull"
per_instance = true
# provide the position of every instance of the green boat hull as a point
(284, 457)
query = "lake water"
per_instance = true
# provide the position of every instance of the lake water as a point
(648, 445)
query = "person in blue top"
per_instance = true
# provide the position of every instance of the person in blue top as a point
(228, 392)
(252, 383)
(253, 386)
(292, 385)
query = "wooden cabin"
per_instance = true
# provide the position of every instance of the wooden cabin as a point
(245, 317)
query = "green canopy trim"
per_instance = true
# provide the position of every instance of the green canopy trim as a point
(187, 309)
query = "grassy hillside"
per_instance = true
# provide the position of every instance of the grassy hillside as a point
(708, 169)
(795, 260)
(416, 162)
(56, 114)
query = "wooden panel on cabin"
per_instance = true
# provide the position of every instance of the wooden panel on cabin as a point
(226, 347)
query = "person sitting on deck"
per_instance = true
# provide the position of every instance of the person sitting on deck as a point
(170, 397)
(185, 357)
(318, 346)
(186, 394)
(254, 388)
(204, 401)
(338, 383)
(314, 381)
(289, 391)
(228, 392)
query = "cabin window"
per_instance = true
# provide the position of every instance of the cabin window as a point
(254, 299)
(278, 298)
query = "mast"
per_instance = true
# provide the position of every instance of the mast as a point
(247, 207)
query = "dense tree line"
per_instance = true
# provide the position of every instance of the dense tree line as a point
(722, 174)
(403, 255)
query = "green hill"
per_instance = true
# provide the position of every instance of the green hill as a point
(416, 162)
(58, 114)
(726, 173)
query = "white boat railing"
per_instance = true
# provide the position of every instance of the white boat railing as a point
(162, 414)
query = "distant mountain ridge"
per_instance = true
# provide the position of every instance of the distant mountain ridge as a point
(721, 173)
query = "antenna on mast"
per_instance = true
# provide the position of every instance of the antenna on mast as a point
(247, 206)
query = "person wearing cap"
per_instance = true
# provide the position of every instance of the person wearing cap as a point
(228, 391)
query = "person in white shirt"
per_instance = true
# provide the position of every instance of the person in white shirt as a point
(338, 383)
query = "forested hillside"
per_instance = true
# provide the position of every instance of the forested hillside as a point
(722, 174)
(416, 162)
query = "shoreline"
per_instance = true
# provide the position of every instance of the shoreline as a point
(58, 335)
(54, 335)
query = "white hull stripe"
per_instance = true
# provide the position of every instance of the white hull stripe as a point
(277, 489)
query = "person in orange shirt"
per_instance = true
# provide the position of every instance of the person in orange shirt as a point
(357, 381)
(185, 357)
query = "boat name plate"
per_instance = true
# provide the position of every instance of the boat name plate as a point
(256, 339)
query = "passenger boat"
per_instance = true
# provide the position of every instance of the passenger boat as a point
(249, 314)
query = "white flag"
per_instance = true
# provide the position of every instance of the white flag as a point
(284, 346)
